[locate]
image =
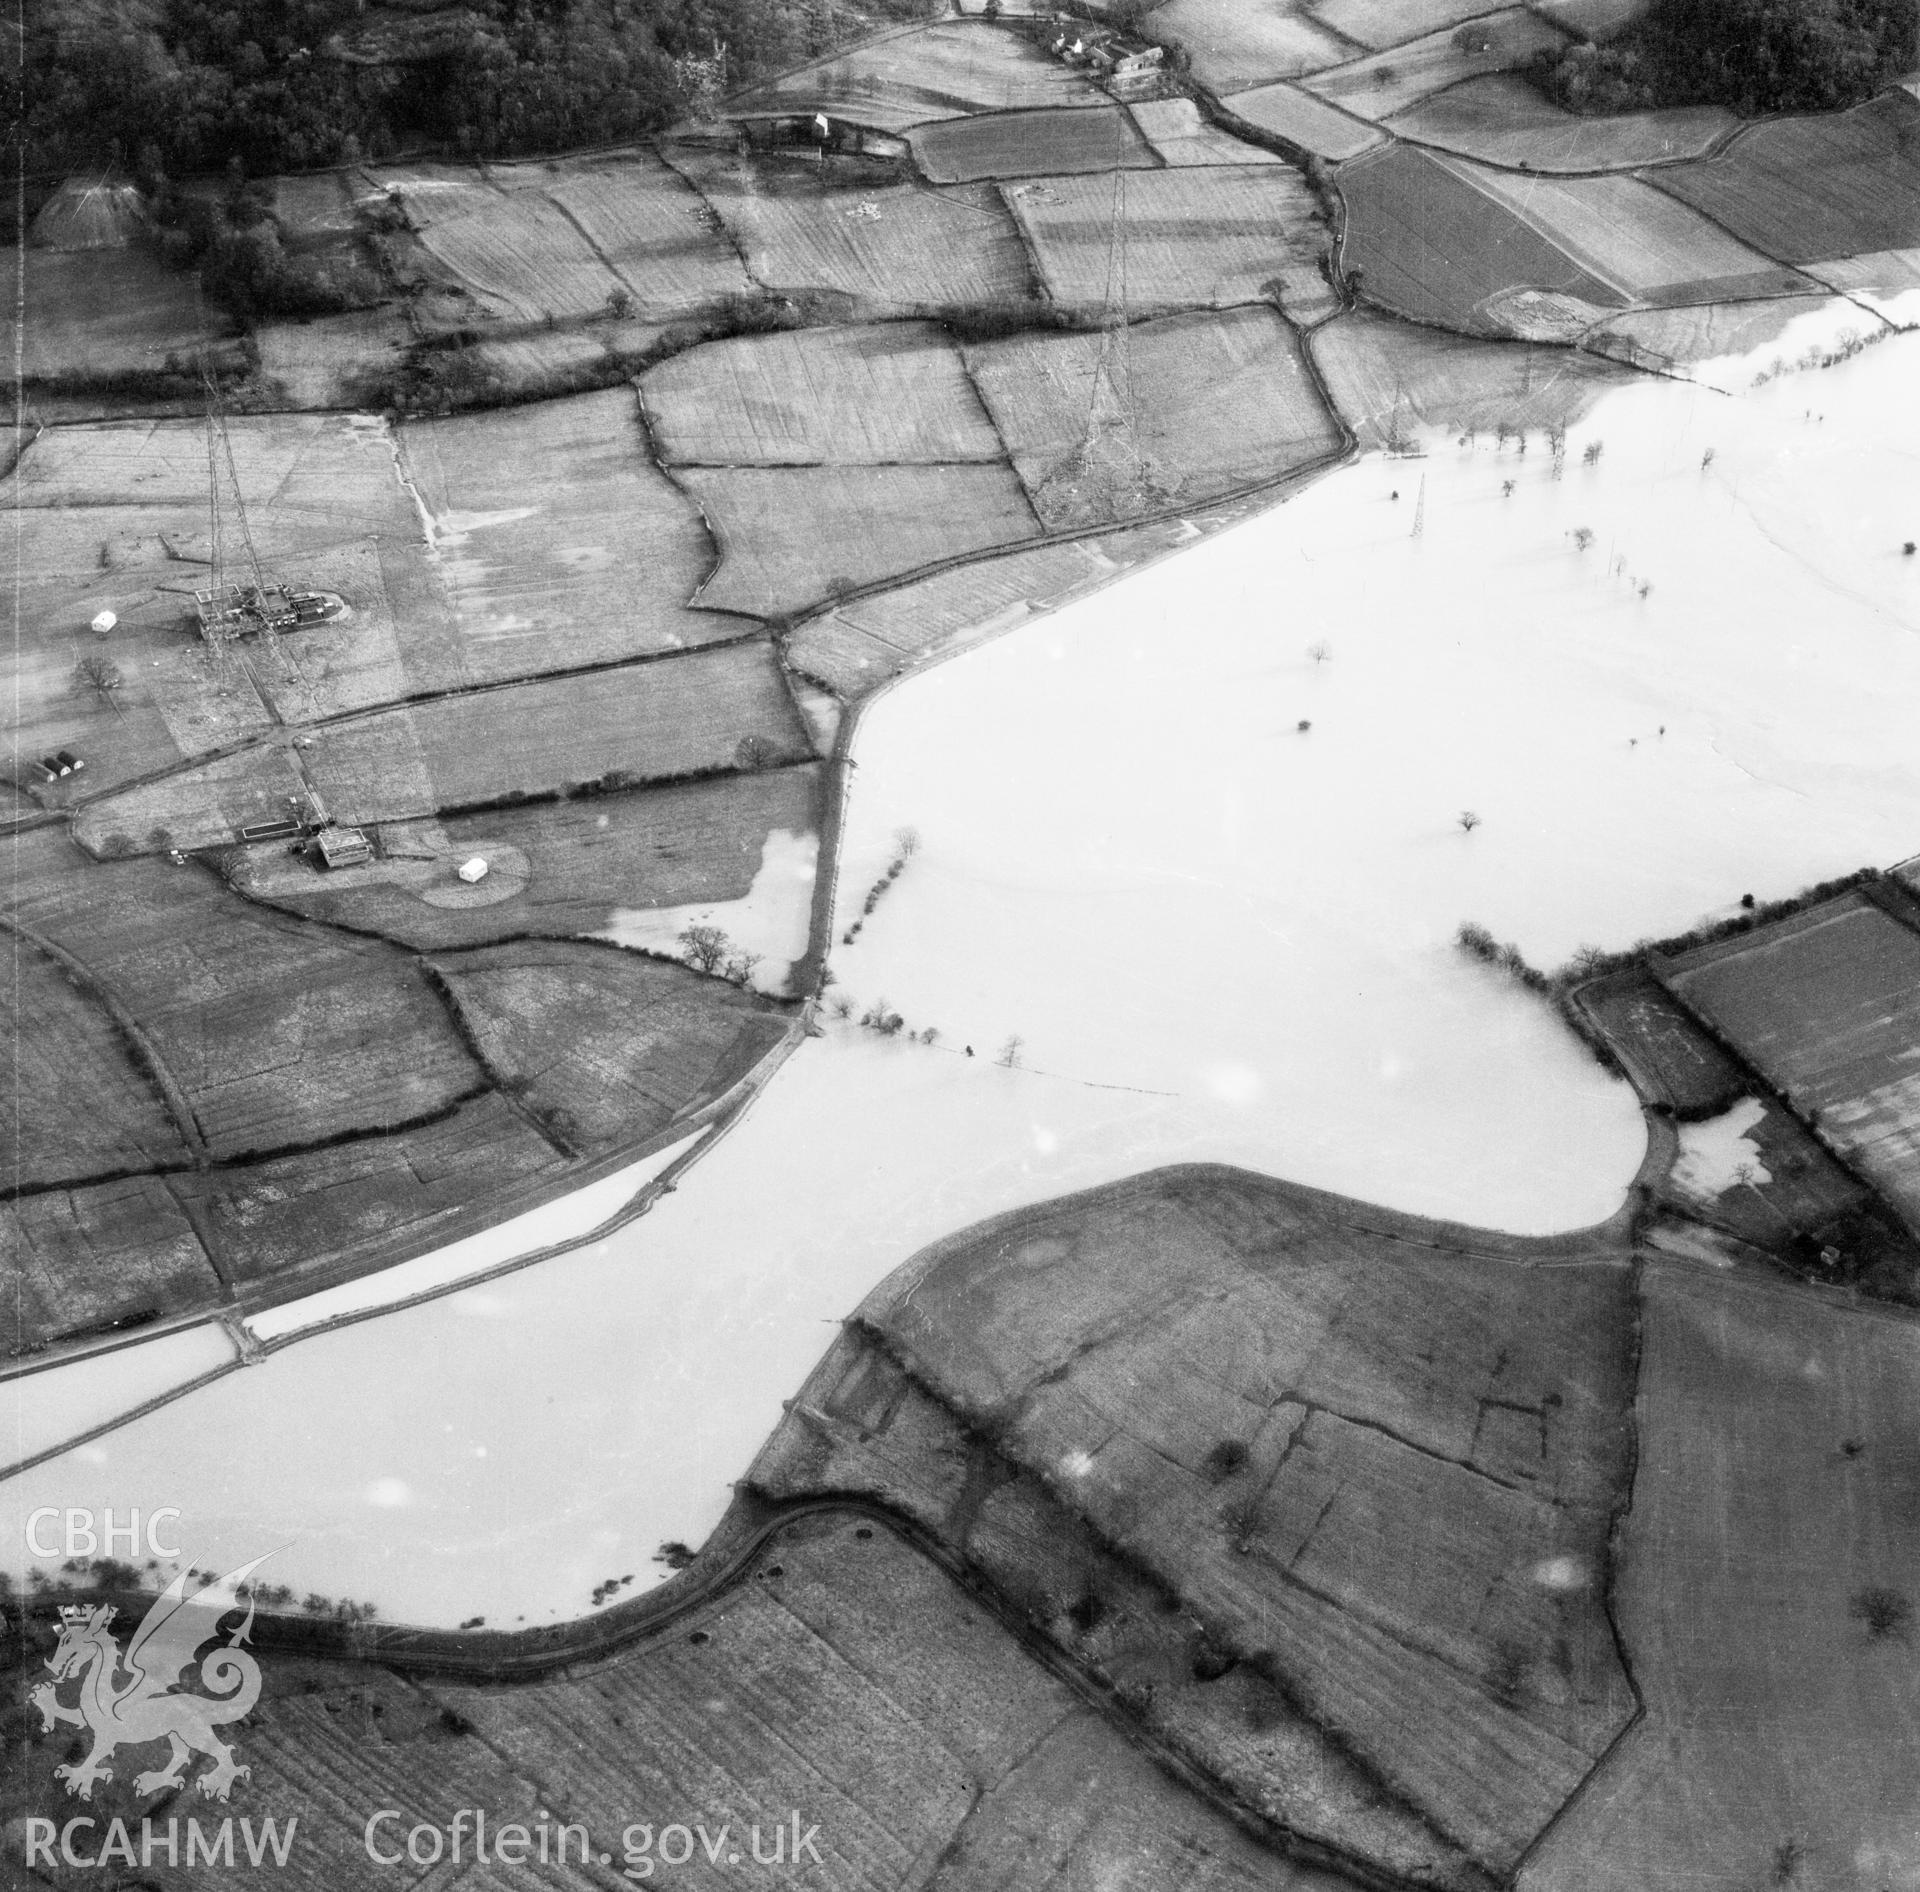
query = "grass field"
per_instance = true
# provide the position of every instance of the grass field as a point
(1807, 190)
(1827, 1007)
(68, 565)
(1390, 1468)
(78, 1102)
(859, 645)
(945, 70)
(1382, 23)
(1782, 1188)
(1502, 119)
(1385, 83)
(274, 1032)
(1287, 112)
(312, 478)
(793, 536)
(76, 1261)
(644, 722)
(601, 1046)
(1724, 341)
(841, 1688)
(1885, 280)
(1427, 243)
(1390, 378)
(1219, 401)
(1233, 45)
(1632, 237)
(652, 230)
(333, 360)
(891, 248)
(1660, 1039)
(205, 805)
(661, 847)
(1030, 144)
(590, 561)
(319, 208)
(92, 314)
(1181, 136)
(279, 1220)
(836, 396)
(1598, 20)
(1773, 1504)
(1202, 238)
(862, 1425)
(524, 259)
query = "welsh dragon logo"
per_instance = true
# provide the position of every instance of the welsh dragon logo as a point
(134, 1700)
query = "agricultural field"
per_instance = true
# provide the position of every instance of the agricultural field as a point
(205, 805)
(1757, 1173)
(791, 537)
(1194, 238)
(317, 478)
(1765, 1586)
(868, 641)
(321, 208)
(1181, 136)
(720, 708)
(1219, 402)
(1233, 45)
(1631, 237)
(890, 249)
(1287, 112)
(333, 360)
(579, 861)
(1671, 1060)
(1389, 378)
(862, 1425)
(1503, 119)
(520, 256)
(1885, 281)
(275, 1226)
(1808, 190)
(839, 1685)
(1426, 242)
(207, 981)
(599, 1046)
(890, 393)
(1715, 340)
(1386, 83)
(1826, 1006)
(591, 562)
(1389, 1466)
(1377, 24)
(530, 244)
(80, 1262)
(946, 70)
(92, 315)
(1598, 20)
(80, 1102)
(155, 701)
(1030, 144)
(650, 228)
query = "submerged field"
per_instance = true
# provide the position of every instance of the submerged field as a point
(1049, 894)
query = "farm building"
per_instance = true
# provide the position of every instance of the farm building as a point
(342, 847)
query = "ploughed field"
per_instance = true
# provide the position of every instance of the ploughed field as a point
(619, 455)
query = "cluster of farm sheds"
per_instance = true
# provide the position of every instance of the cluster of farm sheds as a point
(724, 436)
